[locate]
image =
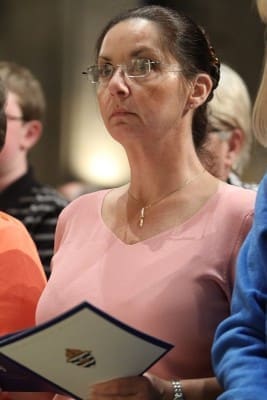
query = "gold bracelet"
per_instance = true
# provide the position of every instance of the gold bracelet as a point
(177, 390)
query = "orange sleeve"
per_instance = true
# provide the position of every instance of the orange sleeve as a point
(22, 278)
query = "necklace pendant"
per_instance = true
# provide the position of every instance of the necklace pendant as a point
(142, 217)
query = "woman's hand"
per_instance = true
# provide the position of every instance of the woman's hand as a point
(149, 387)
(146, 387)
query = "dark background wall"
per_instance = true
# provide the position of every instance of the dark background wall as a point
(32, 33)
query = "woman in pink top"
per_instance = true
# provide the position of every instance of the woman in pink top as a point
(159, 252)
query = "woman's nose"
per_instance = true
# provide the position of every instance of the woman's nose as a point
(118, 84)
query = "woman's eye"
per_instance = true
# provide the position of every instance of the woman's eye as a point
(141, 66)
(145, 65)
(105, 70)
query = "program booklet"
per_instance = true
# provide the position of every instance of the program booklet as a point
(69, 353)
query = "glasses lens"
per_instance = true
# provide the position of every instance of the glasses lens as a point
(223, 135)
(93, 73)
(100, 73)
(105, 71)
(138, 67)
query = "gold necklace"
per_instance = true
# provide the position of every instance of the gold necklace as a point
(144, 208)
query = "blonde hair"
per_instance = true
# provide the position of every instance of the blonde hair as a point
(259, 115)
(230, 108)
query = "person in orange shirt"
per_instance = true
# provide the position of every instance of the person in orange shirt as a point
(22, 277)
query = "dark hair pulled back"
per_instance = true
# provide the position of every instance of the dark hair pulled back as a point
(188, 43)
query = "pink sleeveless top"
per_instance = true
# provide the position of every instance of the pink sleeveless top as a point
(176, 285)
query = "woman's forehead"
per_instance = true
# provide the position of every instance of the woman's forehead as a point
(132, 35)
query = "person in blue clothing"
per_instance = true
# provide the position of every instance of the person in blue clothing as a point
(240, 346)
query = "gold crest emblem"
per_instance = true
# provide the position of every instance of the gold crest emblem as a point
(81, 358)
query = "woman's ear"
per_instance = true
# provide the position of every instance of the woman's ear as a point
(200, 90)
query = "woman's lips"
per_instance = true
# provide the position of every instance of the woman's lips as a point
(120, 113)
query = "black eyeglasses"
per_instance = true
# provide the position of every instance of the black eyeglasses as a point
(136, 68)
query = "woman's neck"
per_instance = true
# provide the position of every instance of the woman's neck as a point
(152, 178)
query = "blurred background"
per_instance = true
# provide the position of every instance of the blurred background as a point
(55, 40)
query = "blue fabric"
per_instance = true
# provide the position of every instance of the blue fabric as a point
(239, 351)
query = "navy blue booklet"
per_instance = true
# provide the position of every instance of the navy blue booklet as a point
(69, 353)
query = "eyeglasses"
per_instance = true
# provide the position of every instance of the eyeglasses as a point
(223, 135)
(136, 68)
(14, 118)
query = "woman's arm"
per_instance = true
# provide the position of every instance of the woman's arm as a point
(200, 389)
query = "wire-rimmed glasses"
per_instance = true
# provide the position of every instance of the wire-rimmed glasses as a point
(136, 68)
